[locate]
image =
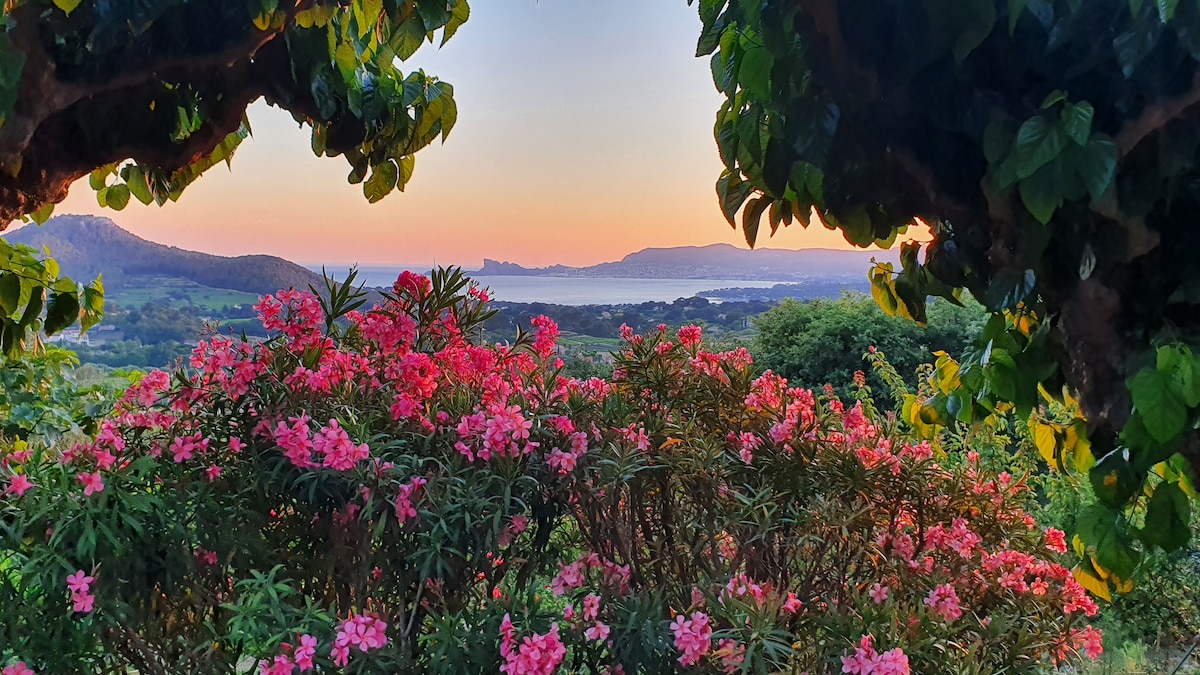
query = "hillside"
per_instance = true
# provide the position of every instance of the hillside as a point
(86, 246)
(716, 261)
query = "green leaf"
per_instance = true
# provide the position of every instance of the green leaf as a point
(10, 293)
(1167, 518)
(67, 6)
(1114, 480)
(1077, 121)
(754, 72)
(458, 16)
(1015, 9)
(978, 20)
(1054, 98)
(751, 217)
(1161, 408)
(1096, 164)
(407, 164)
(93, 304)
(62, 311)
(1042, 193)
(347, 60)
(732, 192)
(382, 181)
(997, 140)
(118, 196)
(1166, 9)
(1038, 143)
(881, 288)
(1105, 532)
(43, 214)
(12, 64)
(139, 184)
(856, 225)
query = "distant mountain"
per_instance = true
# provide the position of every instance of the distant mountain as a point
(86, 246)
(716, 261)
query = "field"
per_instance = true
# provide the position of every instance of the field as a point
(175, 292)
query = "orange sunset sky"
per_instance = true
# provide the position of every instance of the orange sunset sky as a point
(584, 133)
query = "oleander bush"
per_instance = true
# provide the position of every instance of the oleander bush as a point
(371, 491)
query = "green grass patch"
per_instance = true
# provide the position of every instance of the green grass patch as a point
(175, 292)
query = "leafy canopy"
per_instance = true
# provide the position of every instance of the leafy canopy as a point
(146, 96)
(1051, 146)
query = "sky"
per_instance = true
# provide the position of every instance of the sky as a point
(584, 134)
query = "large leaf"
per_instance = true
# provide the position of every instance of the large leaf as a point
(382, 181)
(1160, 406)
(1167, 518)
(61, 312)
(1096, 164)
(1077, 121)
(1038, 143)
(1042, 193)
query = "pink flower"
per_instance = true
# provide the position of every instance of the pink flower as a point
(1089, 640)
(597, 633)
(693, 637)
(591, 607)
(83, 602)
(879, 594)
(213, 472)
(80, 582)
(92, 483)
(792, 604)
(535, 655)
(689, 336)
(893, 662)
(363, 631)
(236, 445)
(731, 654)
(305, 652)
(943, 600)
(281, 665)
(341, 454)
(545, 335)
(1056, 540)
(18, 668)
(20, 484)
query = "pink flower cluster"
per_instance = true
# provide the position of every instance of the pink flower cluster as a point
(866, 661)
(731, 654)
(500, 431)
(364, 631)
(80, 585)
(20, 484)
(296, 314)
(943, 601)
(689, 336)
(340, 453)
(533, 655)
(18, 668)
(545, 335)
(405, 497)
(693, 637)
(572, 576)
(292, 658)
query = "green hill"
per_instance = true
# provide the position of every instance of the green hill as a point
(86, 246)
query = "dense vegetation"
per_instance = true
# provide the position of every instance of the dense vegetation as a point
(823, 341)
(725, 521)
(1052, 146)
(444, 506)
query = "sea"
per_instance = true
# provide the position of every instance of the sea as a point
(575, 290)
